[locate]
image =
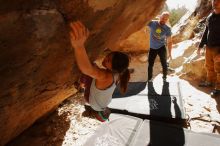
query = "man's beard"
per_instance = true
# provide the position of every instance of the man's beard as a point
(162, 22)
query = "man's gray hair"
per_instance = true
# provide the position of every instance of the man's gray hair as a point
(166, 13)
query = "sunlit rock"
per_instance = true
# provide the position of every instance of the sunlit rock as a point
(37, 68)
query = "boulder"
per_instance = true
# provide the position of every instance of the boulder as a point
(37, 65)
(187, 27)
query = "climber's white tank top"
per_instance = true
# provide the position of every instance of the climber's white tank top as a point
(99, 99)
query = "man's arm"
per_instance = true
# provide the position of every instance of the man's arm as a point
(148, 27)
(203, 41)
(169, 45)
(150, 23)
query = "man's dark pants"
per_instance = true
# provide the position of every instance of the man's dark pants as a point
(163, 59)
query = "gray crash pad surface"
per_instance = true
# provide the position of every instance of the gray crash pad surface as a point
(119, 131)
(152, 133)
(152, 100)
(123, 130)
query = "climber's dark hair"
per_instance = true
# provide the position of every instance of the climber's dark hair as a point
(120, 63)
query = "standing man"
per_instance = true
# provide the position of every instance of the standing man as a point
(211, 38)
(160, 37)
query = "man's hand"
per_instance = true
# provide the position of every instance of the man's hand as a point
(170, 56)
(78, 34)
(169, 45)
(199, 51)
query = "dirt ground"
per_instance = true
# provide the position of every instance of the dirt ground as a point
(67, 127)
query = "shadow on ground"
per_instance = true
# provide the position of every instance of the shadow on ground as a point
(47, 131)
(162, 104)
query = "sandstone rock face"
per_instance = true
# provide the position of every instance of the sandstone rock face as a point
(113, 23)
(190, 29)
(196, 69)
(37, 66)
(185, 29)
(137, 42)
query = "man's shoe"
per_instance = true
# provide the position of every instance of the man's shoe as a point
(170, 70)
(215, 93)
(205, 84)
